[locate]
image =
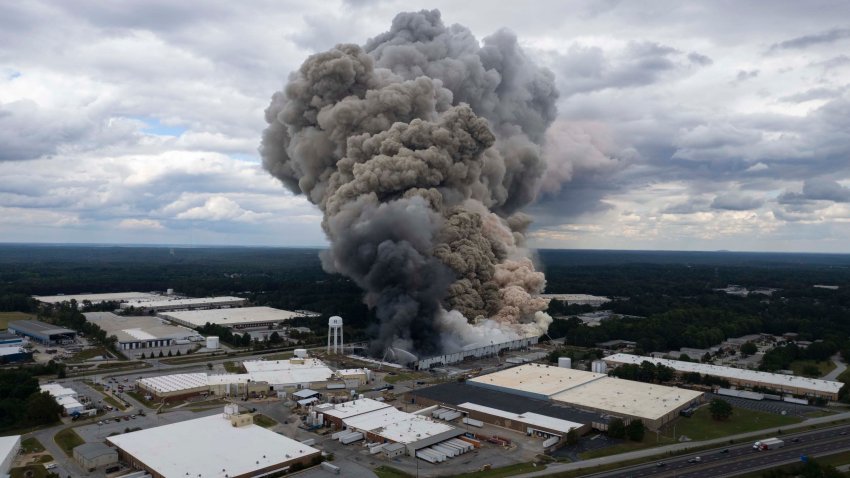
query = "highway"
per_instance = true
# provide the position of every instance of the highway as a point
(740, 459)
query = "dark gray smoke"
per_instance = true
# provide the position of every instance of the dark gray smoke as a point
(420, 148)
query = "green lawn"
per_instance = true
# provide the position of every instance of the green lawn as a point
(264, 421)
(6, 317)
(650, 440)
(509, 470)
(701, 426)
(278, 356)
(31, 445)
(67, 440)
(37, 471)
(384, 471)
(233, 367)
(140, 397)
(88, 354)
(823, 367)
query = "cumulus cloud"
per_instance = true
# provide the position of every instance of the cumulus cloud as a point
(144, 224)
(219, 208)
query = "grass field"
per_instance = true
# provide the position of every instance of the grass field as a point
(279, 356)
(31, 445)
(509, 470)
(650, 440)
(701, 426)
(6, 317)
(233, 367)
(32, 471)
(823, 367)
(264, 421)
(88, 354)
(384, 471)
(67, 440)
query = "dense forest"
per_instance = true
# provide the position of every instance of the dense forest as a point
(672, 294)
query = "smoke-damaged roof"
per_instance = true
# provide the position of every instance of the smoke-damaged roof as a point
(455, 393)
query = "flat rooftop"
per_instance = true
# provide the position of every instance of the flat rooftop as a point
(175, 383)
(178, 303)
(11, 351)
(536, 379)
(529, 418)
(7, 445)
(627, 397)
(38, 327)
(279, 372)
(456, 393)
(774, 379)
(209, 447)
(138, 328)
(231, 316)
(98, 298)
(350, 409)
(398, 426)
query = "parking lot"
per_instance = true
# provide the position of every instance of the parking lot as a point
(769, 406)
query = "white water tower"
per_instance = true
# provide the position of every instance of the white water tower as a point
(335, 334)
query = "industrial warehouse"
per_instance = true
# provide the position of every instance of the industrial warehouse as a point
(47, 334)
(181, 303)
(99, 298)
(779, 383)
(141, 332)
(655, 405)
(226, 444)
(379, 422)
(262, 377)
(65, 397)
(236, 318)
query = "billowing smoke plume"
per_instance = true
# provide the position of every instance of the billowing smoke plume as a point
(420, 148)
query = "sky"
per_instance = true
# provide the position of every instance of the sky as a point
(681, 125)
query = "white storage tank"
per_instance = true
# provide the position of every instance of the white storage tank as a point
(565, 362)
(300, 353)
(599, 366)
(212, 342)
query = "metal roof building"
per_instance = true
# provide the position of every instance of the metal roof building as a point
(217, 446)
(237, 318)
(9, 447)
(791, 384)
(184, 303)
(95, 455)
(42, 332)
(98, 298)
(140, 332)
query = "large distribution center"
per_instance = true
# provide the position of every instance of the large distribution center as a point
(262, 376)
(810, 387)
(215, 446)
(47, 334)
(237, 318)
(140, 332)
(655, 405)
(98, 298)
(184, 303)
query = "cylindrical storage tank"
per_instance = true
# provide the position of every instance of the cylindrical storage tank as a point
(300, 353)
(212, 342)
(320, 419)
(565, 362)
(169, 292)
(599, 366)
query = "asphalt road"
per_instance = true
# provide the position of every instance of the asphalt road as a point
(740, 459)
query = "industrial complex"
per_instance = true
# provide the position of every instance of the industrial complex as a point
(182, 303)
(237, 317)
(655, 405)
(98, 298)
(779, 383)
(141, 332)
(208, 447)
(47, 334)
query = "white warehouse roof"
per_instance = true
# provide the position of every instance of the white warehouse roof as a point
(175, 383)
(180, 303)
(536, 380)
(288, 372)
(98, 298)
(528, 418)
(774, 379)
(350, 409)
(209, 447)
(628, 397)
(397, 426)
(231, 316)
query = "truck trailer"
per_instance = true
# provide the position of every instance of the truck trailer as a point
(768, 444)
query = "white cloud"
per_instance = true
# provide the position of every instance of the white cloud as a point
(146, 224)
